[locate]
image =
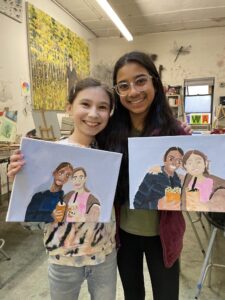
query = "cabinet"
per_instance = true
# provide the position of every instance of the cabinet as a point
(175, 100)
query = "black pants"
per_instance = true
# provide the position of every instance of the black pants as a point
(165, 281)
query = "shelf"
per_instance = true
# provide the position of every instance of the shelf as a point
(201, 126)
(175, 100)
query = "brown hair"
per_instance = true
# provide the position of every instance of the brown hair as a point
(80, 169)
(88, 83)
(199, 153)
(75, 170)
(173, 149)
(63, 165)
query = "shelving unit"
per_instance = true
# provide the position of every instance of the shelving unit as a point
(201, 127)
(175, 99)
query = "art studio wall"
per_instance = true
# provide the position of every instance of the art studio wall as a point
(14, 63)
(206, 58)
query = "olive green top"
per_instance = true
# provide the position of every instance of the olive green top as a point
(139, 221)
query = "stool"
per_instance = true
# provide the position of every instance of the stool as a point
(217, 221)
(2, 242)
(193, 221)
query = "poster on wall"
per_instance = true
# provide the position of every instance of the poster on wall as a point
(12, 9)
(58, 58)
(198, 118)
(64, 183)
(177, 173)
(8, 126)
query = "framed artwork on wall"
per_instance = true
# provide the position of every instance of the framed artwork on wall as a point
(12, 9)
(58, 58)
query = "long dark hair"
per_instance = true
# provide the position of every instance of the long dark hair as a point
(159, 119)
(173, 149)
(63, 165)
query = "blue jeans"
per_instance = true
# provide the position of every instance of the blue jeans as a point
(65, 281)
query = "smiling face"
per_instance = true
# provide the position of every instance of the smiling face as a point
(137, 102)
(79, 180)
(90, 111)
(195, 165)
(172, 161)
(62, 176)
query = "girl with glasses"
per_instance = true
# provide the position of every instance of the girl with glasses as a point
(142, 110)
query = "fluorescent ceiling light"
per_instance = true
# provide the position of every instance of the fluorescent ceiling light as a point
(116, 20)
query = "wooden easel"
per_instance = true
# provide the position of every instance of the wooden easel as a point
(220, 114)
(46, 132)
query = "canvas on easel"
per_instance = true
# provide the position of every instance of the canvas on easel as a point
(46, 124)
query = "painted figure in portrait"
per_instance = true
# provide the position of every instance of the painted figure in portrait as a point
(48, 205)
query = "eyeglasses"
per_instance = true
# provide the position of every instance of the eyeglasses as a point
(122, 88)
(176, 160)
(75, 177)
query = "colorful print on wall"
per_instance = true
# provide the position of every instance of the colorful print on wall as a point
(198, 118)
(58, 58)
(25, 88)
(177, 173)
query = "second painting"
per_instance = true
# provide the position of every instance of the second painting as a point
(178, 173)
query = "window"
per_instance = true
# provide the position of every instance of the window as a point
(197, 90)
(198, 104)
(198, 101)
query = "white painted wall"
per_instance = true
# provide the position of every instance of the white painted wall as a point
(14, 65)
(207, 57)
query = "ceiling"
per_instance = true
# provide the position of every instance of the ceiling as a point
(147, 16)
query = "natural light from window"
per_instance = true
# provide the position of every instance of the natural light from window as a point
(197, 90)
